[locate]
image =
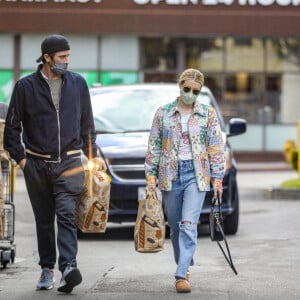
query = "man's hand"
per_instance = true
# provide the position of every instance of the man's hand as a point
(22, 164)
(218, 188)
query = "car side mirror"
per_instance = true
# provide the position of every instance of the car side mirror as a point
(237, 126)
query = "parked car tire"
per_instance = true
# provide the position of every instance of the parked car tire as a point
(231, 223)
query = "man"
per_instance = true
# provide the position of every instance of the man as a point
(49, 123)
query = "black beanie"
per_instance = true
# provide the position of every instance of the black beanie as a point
(53, 43)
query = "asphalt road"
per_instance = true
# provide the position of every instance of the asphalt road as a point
(265, 252)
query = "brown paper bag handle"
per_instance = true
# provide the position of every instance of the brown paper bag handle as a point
(150, 194)
(90, 188)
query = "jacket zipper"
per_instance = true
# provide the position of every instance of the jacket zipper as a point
(58, 122)
(12, 115)
(58, 125)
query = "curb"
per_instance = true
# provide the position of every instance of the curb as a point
(283, 194)
(264, 167)
(249, 169)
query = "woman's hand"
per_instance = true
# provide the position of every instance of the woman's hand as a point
(151, 182)
(218, 188)
(99, 163)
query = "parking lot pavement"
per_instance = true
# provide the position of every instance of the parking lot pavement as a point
(265, 253)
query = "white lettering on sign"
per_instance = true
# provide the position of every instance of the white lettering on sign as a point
(74, 1)
(217, 2)
(181, 2)
(247, 2)
(269, 2)
(265, 2)
(169, 2)
(25, 1)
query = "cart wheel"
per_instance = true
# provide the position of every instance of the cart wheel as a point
(5, 264)
(12, 256)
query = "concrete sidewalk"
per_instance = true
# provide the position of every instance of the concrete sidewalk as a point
(263, 166)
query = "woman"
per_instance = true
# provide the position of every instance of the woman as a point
(185, 153)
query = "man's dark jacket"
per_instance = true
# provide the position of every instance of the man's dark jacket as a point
(44, 130)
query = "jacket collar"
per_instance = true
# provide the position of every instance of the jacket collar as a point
(40, 75)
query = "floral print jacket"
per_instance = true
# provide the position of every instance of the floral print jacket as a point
(206, 143)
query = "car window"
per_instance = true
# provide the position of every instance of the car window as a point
(126, 110)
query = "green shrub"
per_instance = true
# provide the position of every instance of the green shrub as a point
(293, 183)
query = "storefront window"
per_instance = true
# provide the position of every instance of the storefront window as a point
(215, 83)
(273, 97)
(205, 54)
(283, 54)
(283, 77)
(251, 77)
(158, 53)
(244, 54)
(160, 77)
(243, 97)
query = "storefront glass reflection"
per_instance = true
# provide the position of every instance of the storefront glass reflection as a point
(248, 75)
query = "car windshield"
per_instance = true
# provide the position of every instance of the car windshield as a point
(120, 110)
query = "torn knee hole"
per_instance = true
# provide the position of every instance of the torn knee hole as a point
(186, 222)
(187, 225)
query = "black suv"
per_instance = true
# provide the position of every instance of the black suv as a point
(123, 117)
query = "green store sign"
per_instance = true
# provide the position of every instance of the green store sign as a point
(6, 85)
(92, 77)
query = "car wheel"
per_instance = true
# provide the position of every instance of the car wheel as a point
(167, 231)
(13, 255)
(80, 234)
(231, 223)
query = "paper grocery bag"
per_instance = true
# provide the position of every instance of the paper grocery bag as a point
(149, 229)
(93, 205)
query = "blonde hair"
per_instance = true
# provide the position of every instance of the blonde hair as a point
(191, 74)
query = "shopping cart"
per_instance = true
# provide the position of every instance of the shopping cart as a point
(7, 214)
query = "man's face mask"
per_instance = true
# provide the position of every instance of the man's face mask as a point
(59, 68)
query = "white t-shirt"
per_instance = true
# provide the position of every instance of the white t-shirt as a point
(185, 151)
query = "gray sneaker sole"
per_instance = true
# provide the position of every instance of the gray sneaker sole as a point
(44, 288)
(72, 279)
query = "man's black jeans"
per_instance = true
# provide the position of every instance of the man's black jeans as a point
(53, 189)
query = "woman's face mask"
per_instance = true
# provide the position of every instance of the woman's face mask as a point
(187, 98)
(189, 95)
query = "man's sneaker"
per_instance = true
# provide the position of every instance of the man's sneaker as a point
(46, 281)
(70, 278)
